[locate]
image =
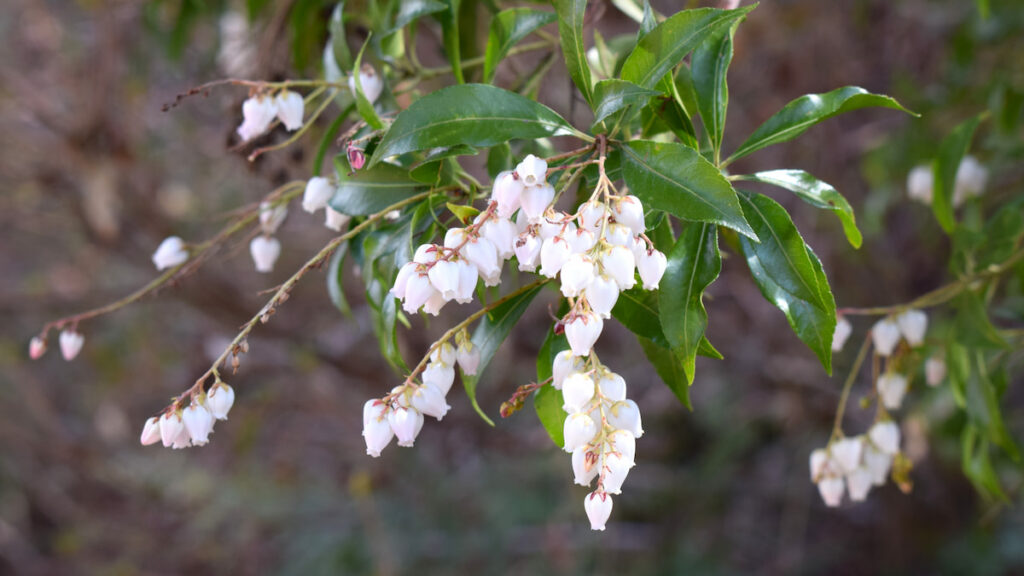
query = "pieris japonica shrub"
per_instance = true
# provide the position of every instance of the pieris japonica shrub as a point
(623, 220)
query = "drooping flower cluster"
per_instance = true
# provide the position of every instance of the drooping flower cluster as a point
(260, 110)
(971, 178)
(190, 426)
(855, 464)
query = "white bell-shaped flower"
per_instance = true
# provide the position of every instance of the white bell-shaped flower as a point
(591, 215)
(554, 253)
(602, 294)
(886, 437)
(418, 290)
(619, 235)
(199, 423)
(892, 388)
(502, 234)
(445, 353)
(579, 429)
(369, 81)
(406, 423)
(434, 304)
(624, 443)
(71, 342)
(426, 254)
(625, 415)
(651, 265)
(532, 171)
(36, 348)
(469, 358)
(847, 452)
(613, 386)
(878, 464)
(271, 216)
(535, 200)
(920, 182)
(170, 253)
(582, 331)
(564, 365)
(580, 240)
(335, 220)
(819, 463)
(577, 273)
(430, 401)
(629, 212)
(151, 432)
(913, 324)
(289, 109)
(616, 468)
(619, 264)
(507, 192)
(584, 466)
(971, 177)
(934, 370)
(831, 490)
(598, 506)
(317, 194)
(886, 335)
(257, 114)
(439, 375)
(171, 427)
(481, 253)
(577, 392)
(220, 399)
(264, 251)
(468, 277)
(402, 279)
(859, 484)
(377, 430)
(841, 333)
(527, 249)
(444, 276)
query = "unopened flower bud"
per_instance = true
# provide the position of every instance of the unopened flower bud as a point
(318, 193)
(624, 443)
(913, 324)
(406, 423)
(71, 343)
(507, 192)
(469, 358)
(264, 251)
(356, 157)
(651, 265)
(577, 392)
(445, 353)
(819, 462)
(886, 437)
(599, 508)
(582, 331)
(369, 81)
(220, 399)
(532, 170)
(480, 252)
(199, 423)
(170, 253)
(841, 333)
(335, 220)
(402, 279)
(629, 212)
(289, 109)
(892, 388)
(619, 235)
(886, 335)
(971, 177)
(36, 348)
(272, 216)
(151, 432)
(935, 370)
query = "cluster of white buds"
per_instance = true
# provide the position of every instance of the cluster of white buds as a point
(369, 81)
(600, 430)
(260, 110)
(170, 253)
(855, 464)
(971, 178)
(265, 248)
(317, 195)
(190, 426)
(886, 335)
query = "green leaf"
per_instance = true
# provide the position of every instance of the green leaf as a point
(693, 264)
(951, 152)
(796, 117)
(450, 37)
(412, 10)
(336, 280)
(637, 310)
(547, 401)
(1003, 235)
(977, 465)
(611, 96)
(678, 180)
(958, 364)
(462, 212)
(471, 114)
(983, 406)
(508, 27)
(708, 69)
(816, 193)
(669, 367)
(338, 42)
(664, 47)
(363, 104)
(369, 191)
(647, 20)
(789, 275)
(570, 31)
(972, 325)
(490, 333)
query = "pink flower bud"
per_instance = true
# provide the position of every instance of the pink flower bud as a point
(36, 348)
(444, 276)
(598, 506)
(356, 157)
(831, 490)
(402, 279)
(469, 358)
(199, 423)
(417, 292)
(171, 427)
(257, 114)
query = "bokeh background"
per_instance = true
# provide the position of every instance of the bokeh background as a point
(94, 174)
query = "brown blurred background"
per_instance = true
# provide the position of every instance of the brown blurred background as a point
(94, 175)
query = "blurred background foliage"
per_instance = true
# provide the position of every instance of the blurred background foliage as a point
(95, 175)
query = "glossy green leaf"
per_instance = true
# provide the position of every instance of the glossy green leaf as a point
(664, 47)
(669, 366)
(338, 43)
(369, 191)
(796, 117)
(708, 68)
(611, 96)
(678, 180)
(816, 193)
(637, 310)
(450, 37)
(411, 10)
(494, 327)
(972, 325)
(947, 162)
(977, 465)
(570, 31)
(548, 401)
(336, 280)
(693, 264)
(789, 275)
(1004, 233)
(471, 114)
(983, 406)
(363, 104)
(648, 21)
(508, 27)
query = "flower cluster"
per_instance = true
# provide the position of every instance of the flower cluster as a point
(260, 110)
(317, 196)
(855, 464)
(971, 177)
(264, 248)
(192, 425)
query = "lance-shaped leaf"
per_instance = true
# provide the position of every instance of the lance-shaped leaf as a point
(796, 117)
(363, 104)
(789, 275)
(816, 193)
(570, 31)
(411, 10)
(611, 96)
(450, 37)
(951, 153)
(548, 401)
(983, 405)
(337, 44)
(494, 327)
(678, 180)
(508, 27)
(708, 69)
(471, 115)
(977, 464)
(693, 264)
(365, 192)
(669, 366)
(637, 310)
(664, 47)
